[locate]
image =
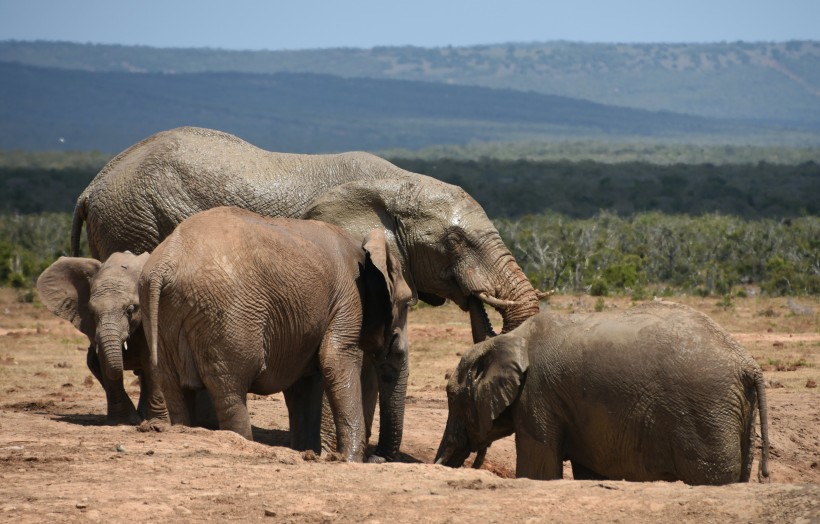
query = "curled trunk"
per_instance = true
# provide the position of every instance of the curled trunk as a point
(521, 293)
(513, 297)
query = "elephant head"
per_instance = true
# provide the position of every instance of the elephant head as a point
(486, 383)
(100, 299)
(447, 246)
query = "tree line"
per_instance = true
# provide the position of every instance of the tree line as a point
(515, 188)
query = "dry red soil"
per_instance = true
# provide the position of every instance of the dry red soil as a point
(60, 462)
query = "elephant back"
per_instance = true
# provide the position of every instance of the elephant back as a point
(141, 195)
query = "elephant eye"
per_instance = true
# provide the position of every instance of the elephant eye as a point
(131, 309)
(452, 242)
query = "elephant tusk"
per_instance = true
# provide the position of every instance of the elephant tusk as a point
(439, 462)
(495, 302)
(544, 294)
(125, 345)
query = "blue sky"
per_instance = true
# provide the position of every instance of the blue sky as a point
(308, 24)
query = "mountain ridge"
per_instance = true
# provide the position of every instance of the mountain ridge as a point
(50, 108)
(759, 81)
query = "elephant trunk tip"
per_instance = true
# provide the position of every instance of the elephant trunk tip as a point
(451, 456)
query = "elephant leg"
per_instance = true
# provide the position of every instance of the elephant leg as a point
(328, 427)
(304, 401)
(391, 378)
(232, 412)
(151, 405)
(93, 362)
(581, 472)
(537, 460)
(142, 404)
(370, 395)
(204, 412)
(341, 370)
(177, 401)
(152, 402)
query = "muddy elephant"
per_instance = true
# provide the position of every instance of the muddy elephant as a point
(658, 392)
(238, 303)
(447, 246)
(101, 300)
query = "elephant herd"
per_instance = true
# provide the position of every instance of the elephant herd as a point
(219, 269)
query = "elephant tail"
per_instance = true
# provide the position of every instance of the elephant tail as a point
(157, 280)
(762, 406)
(80, 213)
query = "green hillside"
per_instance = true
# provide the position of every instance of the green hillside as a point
(775, 82)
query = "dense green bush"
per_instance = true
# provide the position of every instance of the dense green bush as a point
(29, 244)
(710, 254)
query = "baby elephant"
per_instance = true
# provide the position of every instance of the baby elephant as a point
(238, 303)
(658, 392)
(100, 299)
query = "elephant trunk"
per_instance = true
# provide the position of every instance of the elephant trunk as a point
(454, 448)
(479, 321)
(109, 347)
(512, 295)
(520, 292)
(393, 376)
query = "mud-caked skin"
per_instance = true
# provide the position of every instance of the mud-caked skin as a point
(101, 300)
(238, 303)
(658, 392)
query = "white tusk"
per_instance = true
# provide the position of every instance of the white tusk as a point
(125, 346)
(439, 461)
(495, 302)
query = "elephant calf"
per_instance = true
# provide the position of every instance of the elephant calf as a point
(100, 299)
(658, 392)
(236, 303)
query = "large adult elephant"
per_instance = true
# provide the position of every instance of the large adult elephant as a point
(441, 235)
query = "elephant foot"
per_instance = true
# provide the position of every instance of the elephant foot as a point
(376, 459)
(155, 424)
(123, 418)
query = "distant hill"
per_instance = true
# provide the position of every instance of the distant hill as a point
(50, 108)
(776, 83)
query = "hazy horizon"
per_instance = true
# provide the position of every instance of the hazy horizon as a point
(317, 24)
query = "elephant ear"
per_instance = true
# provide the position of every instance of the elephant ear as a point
(361, 206)
(497, 376)
(65, 287)
(380, 259)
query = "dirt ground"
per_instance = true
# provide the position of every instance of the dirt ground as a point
(60, 462)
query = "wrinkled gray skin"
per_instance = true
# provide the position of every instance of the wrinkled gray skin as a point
(658, 392)
(101, 301)
(447, 246)
(240, 303)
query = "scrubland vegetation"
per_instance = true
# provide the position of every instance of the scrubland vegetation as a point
(635, 228)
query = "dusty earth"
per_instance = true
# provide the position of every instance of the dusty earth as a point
(60, 462)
